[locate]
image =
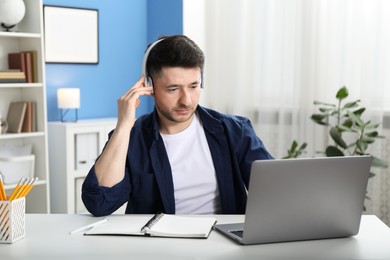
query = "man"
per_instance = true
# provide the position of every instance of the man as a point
(181, 158)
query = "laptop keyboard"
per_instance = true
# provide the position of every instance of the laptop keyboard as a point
(238, 233)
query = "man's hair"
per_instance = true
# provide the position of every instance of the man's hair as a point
(174, 51)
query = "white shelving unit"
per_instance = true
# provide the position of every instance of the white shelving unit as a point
(74, 147)
(27, 36)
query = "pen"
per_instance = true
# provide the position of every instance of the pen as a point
(152, 221)
(88, 226)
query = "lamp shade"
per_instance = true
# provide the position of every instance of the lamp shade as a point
(68, 98)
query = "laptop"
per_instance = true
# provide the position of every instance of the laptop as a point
(302, 199)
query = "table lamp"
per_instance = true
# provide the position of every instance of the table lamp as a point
(68, 98)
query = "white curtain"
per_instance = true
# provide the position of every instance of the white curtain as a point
(270, 59)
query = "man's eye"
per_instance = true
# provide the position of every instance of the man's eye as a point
(171, 89)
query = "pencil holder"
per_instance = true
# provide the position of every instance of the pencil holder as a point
(12, 220)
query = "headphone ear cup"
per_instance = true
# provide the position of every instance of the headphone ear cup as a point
(149, 81)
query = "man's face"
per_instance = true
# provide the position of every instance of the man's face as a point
(176, 95)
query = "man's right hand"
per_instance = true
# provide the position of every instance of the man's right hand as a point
(129, 102)
(110, 167)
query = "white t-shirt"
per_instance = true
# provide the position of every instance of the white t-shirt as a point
(194, 178)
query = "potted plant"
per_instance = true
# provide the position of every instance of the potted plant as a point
(351, 135)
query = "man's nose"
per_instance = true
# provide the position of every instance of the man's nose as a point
(185, 97)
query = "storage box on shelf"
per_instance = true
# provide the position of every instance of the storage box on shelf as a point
(24, 37)
(12, 169)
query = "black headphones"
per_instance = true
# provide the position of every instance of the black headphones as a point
(148, 78)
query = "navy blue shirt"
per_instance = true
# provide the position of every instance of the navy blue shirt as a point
(148, 185)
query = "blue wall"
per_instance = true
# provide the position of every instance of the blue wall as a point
(125, 29)
(164, 18)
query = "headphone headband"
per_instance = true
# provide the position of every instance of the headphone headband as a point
(148, 79)
(146, 56)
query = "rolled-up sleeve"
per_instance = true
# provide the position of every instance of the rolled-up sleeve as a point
(100, 200)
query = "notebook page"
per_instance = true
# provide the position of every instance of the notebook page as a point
(183, 226)
(120, 225)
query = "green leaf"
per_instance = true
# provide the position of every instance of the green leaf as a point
(303, 146)
(368, 140)
(336, 136)
(294, 146)
(322, 103)
(362, 146)
(318, 116)
(334, 113)
(293, 152)
(343, 128)
(318, 119)
(371, 175)
(355, 118)
(351, 104)
(372, 126)
(348, 123)
(360, 111)
(332, 151)
(367, 123)
(325, 109)
(376, 162)
(372, 134)
(342, 93)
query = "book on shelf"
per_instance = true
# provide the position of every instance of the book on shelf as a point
(22, 117)
(34, 117)
(15, 116)
(160, 225)
(12, 76)
(29, 70)
(17, 61)
(15, 73)
(25, 61)
(28, 123)
(12, 80)
(34, 65)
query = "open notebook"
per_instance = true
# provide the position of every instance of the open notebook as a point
(161, 225)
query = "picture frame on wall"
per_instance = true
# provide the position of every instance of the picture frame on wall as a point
(71, 34)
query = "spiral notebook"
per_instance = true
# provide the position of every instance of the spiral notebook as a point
(160, 225)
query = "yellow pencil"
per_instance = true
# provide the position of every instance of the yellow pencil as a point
(23, 188)
(28, 188)
(16, 191)
(3, 195)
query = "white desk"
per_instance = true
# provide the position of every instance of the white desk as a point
(47, 237)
